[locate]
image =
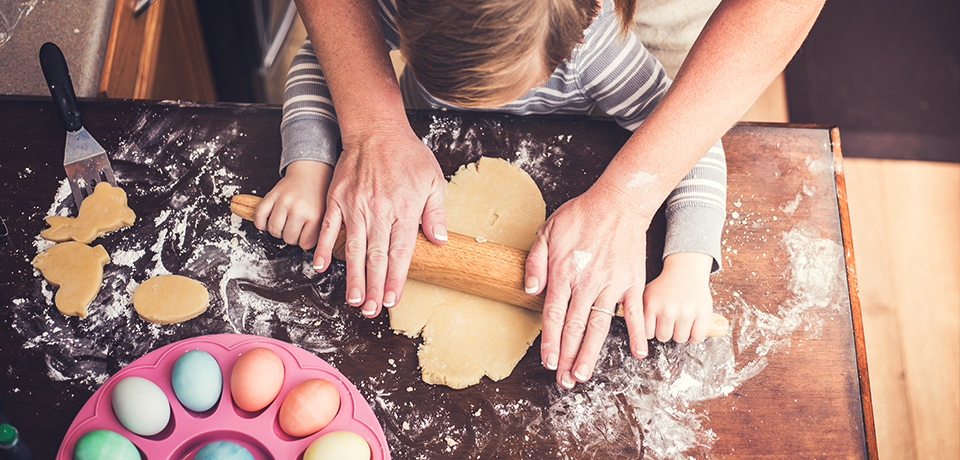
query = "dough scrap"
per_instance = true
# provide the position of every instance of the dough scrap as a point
(466, 337)
(105, 210)
(78, 271)
(169, 299)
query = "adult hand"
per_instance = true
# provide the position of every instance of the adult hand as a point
(292, 210)
(385, 183)
(590, 253)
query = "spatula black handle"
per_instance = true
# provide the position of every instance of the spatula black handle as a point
(61, 88)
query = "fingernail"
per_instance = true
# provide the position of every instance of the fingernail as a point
(440, 232)
(532, 285)
(582, 372)
(640, 354)
(552, 361)
(566, 381)
(354, 296)
(389, 299)
(369, 308)
(318, 265)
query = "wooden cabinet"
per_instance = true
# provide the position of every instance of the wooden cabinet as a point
(159, 54)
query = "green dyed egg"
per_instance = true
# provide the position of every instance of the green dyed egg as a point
(104, 445)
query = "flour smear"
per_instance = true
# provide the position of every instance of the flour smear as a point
(163, 158)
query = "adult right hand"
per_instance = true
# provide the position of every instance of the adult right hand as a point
(385, 184)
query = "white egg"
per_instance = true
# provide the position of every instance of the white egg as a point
(338, 445)
(140, 406)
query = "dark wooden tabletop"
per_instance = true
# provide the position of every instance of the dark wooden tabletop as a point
(789, 381)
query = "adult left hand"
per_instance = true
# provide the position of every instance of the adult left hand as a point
(590, 255)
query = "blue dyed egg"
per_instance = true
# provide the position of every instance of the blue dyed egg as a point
(223, 450)
(197, 380)
(104, 445)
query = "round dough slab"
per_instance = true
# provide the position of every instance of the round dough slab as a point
(169, 299)
(466, 337)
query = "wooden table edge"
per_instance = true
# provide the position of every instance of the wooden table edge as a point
(866, 401)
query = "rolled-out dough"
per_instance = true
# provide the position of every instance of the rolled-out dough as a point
(78, 270)
(169, 299)
(466, 337)
(105, 210)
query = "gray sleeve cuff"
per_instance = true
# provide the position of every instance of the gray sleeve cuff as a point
(315, 139)
(694, 228)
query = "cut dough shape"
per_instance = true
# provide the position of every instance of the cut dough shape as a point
(169, 299)
(464, 336)
(78, 270)
(105, 210)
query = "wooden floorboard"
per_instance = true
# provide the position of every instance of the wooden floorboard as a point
(881, 326)
(906, 231)
(923, 201)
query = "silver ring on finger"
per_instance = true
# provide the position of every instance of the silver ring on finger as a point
(611, 312)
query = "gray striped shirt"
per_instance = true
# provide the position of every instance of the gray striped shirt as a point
(615, 75)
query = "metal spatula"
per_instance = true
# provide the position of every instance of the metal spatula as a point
(84, 159)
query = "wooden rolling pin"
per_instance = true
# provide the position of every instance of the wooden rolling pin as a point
(489, 270)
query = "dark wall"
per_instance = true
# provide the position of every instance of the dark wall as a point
(230, 34)
(887, 73)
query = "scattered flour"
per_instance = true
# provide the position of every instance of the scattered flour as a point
(642, 181)
(792, 205)
(195, 235)
(580, 261)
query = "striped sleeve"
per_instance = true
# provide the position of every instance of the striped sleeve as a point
(619, 74)
(309, 129)
(696, 208)
(388, 21)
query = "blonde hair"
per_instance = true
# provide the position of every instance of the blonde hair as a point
(469, 52)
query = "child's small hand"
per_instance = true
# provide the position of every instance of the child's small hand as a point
(678, 304)
(294, 208)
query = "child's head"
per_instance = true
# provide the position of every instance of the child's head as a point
(486, 53)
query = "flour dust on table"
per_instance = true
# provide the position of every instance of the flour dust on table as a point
(180, 179)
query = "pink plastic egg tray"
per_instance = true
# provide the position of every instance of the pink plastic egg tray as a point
(259, 432)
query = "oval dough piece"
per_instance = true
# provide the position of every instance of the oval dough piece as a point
(105, 210)
(169, 299)
(78, 270)
(464, 336)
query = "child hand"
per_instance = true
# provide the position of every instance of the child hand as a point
(678, 304)
(294, 208)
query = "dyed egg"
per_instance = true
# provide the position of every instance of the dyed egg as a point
(338, 445)
(197, 380)
(223, 450)
(256, 379)
(140, 406)
(104, 445)
(309, 407)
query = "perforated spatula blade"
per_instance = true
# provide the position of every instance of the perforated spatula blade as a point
(84, 160)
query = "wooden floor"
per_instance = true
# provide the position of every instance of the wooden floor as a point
(906, 232)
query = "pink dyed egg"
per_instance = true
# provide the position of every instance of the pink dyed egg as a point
(256, 379)
(309, 407)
